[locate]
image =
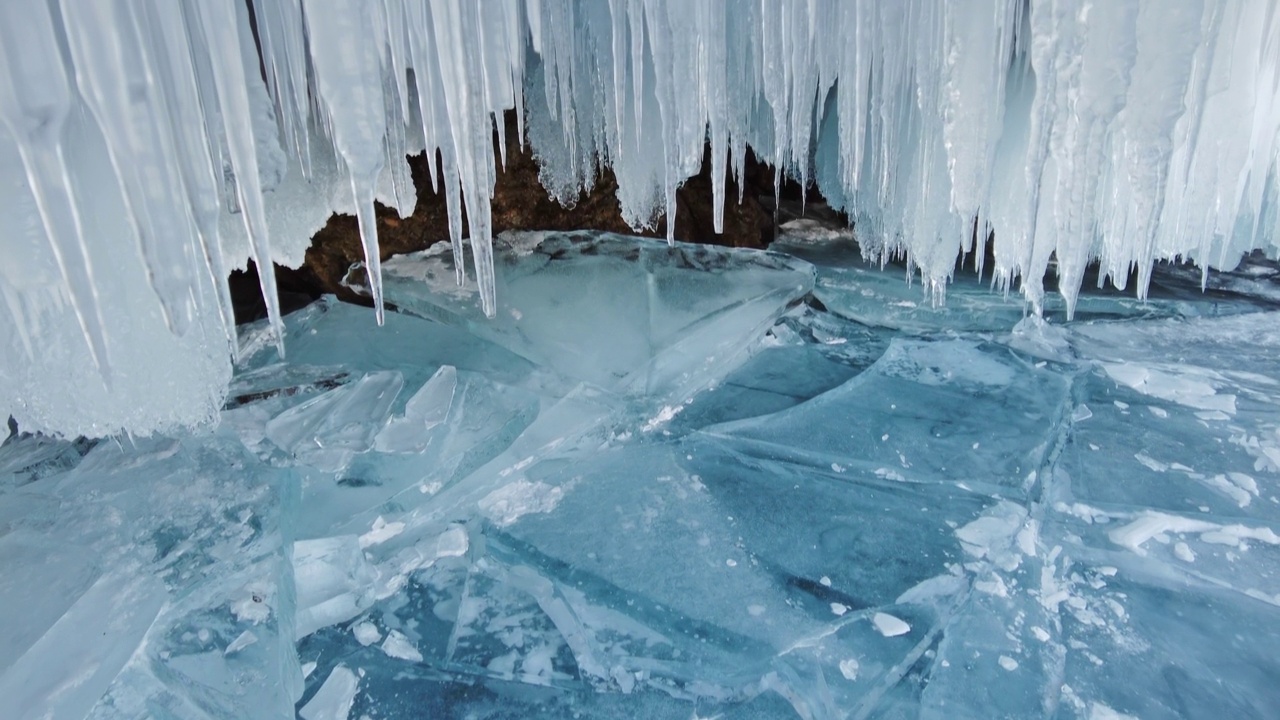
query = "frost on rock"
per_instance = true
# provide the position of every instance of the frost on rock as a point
(148, 147)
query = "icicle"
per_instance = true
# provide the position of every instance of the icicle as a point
(219, 30)
(453, 208)
(169, 34)
(1124, 132)
(116, 76)
(713, 60)
(460, 71)
(34, 101)
(345, 56)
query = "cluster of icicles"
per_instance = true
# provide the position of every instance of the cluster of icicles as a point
(1124, 131)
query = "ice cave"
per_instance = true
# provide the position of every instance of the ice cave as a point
(980, 420)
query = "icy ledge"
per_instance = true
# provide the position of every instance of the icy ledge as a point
(147, 146)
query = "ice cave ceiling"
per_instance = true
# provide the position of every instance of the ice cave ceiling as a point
(150, 146)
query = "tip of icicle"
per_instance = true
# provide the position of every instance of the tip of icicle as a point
(105, 372)
(279, 333)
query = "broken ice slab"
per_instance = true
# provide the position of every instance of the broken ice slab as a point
(774, 379)
(1183, 417)
(283, 380)
(923, 412)
(334, 582)
(75, 661)
(327, 431)
(428, 407)
(423, 607)
(334, 346)
(627, 314)
(832, 537)
(851, 287)
(556, 428)
(1242, 347)
(329, 333)
(335, 697)
(159, 582)
(43, 578)
(806, 353)
(1230, 554)
(483, 420)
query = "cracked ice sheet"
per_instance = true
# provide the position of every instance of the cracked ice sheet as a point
(699, 545)
(676, 318)
(806, 353)
(1178, 461)
(923, 412)
(789, 644)
(1126, 624)
(1154, 547)
(483, 420)
(688, 597)
(177, 584)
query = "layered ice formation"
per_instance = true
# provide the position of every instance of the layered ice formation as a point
(148, 146)
(787, 488)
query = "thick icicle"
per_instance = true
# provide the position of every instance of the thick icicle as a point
(34, 101)
(220, 34)
(116, 75)
(349, 76)
(165, 23)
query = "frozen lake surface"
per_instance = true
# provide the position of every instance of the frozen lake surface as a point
(688, 482)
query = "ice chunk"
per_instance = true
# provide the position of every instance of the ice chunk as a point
(889, 626)
(381, 532)
(334, 582)
(398, 646)
(366, 633)
(992, 535)
(335, 697)
(328, 431)
(428, 407)
(508, 503)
